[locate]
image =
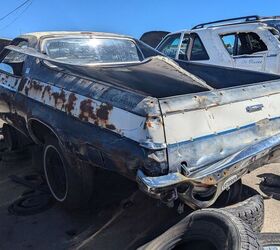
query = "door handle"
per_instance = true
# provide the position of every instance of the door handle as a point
(254, 108)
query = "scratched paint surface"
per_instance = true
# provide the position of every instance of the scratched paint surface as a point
(86, 109)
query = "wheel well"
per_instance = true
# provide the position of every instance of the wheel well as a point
(40, 131)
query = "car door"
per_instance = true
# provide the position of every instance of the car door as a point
(247, 50)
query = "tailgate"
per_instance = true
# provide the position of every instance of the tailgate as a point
(204, 128)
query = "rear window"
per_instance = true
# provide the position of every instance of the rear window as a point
(273, 23)
(198, 51)
(92, 50)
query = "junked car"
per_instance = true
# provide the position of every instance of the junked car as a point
(247, 42)
(181, 130)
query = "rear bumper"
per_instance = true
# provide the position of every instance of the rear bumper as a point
(221, 174)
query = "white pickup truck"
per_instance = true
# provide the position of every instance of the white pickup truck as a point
(248, 43)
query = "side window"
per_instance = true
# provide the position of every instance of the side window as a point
(229, 41)
(243, 43)
(170, 45)
(184, 47)
(12, 63)
(275, 33)
(198, 51)
(257, 45)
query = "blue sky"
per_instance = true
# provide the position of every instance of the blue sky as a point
(132, 17)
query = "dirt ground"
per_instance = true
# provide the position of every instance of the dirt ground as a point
(272, 195)
(119, 217)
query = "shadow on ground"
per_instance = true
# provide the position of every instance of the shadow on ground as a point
(119, 216)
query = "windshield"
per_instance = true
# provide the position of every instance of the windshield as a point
(92, 50)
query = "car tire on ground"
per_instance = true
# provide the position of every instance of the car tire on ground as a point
(207, 229)
(37, 153)
(250, 210)
(269, 240)
(70, 183)
(231, 196)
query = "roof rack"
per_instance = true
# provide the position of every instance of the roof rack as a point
(244, 19)
(270, 17)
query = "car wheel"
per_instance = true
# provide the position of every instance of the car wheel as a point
(207, 229)
(69, 182)
(251, 211)
(270, 241)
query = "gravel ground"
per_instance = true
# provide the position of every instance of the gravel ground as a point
(120, 216)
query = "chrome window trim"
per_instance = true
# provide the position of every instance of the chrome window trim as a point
(179, 45)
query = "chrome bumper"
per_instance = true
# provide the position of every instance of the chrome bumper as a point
(221, 174)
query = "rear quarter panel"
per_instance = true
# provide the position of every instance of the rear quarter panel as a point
(204, 128)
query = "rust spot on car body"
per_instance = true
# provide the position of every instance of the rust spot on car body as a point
(22, 84)
(100, 116)
(26, 90)
(86, 110)
(70, 103)
(209, 180)
(31, 85)
(103, 111)
(59, 98)
(36, 85)
(47, 89)
(110, 126)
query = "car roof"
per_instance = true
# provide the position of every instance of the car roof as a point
(221, 28)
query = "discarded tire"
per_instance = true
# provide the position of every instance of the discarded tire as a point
(231, 196)
(31, 203)
(251, 211)
(248, 192)
(270, 241)
(211, 229)
(70, 183)
(271, 180)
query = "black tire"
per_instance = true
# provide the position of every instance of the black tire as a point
(207, 229)
(231, 196)
(251, 211)
(37, 153)
(248, 192)
(268, 240)
(70, 183)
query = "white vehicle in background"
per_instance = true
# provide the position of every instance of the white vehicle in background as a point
(248, 43)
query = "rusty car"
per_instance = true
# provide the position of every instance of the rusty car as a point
(180, 130)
